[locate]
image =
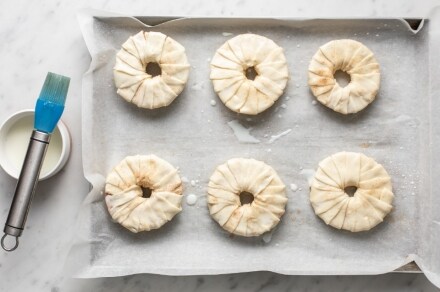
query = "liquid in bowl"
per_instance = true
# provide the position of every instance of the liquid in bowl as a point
(15, 134)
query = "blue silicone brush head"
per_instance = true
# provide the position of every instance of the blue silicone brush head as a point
(50, 104)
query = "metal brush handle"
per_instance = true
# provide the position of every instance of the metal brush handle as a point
(27, 182)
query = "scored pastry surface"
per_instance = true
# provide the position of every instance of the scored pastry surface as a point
(355, 59)
(246, 175)
(135, 85)
(228, 73)
(370, 203)
(124, 194)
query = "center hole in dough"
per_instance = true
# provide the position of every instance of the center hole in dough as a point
(153, 69)
(350, 191)
(146, 192)
(343, 78)
(251, 73)
(246, 198)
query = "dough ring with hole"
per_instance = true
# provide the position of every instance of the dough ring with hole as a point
(123, 192)
(353, 58)
(135, 84)
(228, 73)
(370, 203)
(246, 175)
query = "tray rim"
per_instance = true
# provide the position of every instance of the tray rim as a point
(413, 24)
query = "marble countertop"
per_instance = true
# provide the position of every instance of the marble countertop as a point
(41, 36)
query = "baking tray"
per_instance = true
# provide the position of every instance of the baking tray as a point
(398, 130)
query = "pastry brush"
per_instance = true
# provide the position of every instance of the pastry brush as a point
(48, 110)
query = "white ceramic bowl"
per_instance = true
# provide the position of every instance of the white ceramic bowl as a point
(11, 159)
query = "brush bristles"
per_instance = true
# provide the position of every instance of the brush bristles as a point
(55, 88)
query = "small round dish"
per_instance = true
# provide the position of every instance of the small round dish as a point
(14, 139)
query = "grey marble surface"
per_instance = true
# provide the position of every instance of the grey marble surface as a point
(41, 36)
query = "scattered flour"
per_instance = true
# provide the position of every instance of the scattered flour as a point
(242, 133)
(293, 187)
(309, 174)
(191, 199)
(267, 237)
(197, 86)
(276, 137)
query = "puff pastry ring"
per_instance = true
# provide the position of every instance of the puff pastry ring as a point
(229, 78)
(124, 192)
(370, 203)
(353, 58)
(239, 175)
(137, 86)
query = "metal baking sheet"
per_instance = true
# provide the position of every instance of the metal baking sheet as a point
(397, 129)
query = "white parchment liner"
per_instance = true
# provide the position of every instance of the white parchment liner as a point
(400, 130)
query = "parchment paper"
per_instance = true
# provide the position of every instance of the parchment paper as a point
(397, 129)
